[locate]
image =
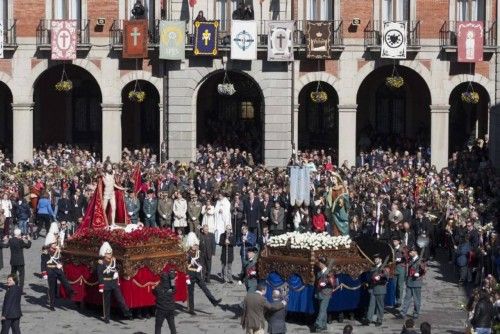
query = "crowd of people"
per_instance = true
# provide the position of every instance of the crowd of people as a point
(224, 197)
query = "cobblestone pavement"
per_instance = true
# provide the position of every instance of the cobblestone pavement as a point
(440, 307)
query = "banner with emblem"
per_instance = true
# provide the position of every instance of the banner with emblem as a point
(470, 39)
(319, 39)
(206, 38)
(63, 39)
(172, 40)
(280, 41)
(135, 39)
(394, 40)
(243, 40)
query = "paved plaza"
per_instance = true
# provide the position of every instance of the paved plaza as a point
(440, 307)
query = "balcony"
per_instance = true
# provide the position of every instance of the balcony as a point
(9, 36)
(116, 35)
(299, 35)
(448, 36)
(43, 35)
(373, 36)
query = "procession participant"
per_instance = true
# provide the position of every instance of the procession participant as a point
(149, 207)
(325, 285)
(222, 214)
(54, 266)
(165, 209)
(227, 241)
(238, 215)
(377, 290)
(133, 206)
(207, 250)
(165, 303)
(17, 244)
(109, 282)
(400, 272)
(250, 270)
(248, 240)
(264, 238)
(251, 210)
(194, 273)
(277, 225)
(194, 213)
(180, 211)
(416, 272)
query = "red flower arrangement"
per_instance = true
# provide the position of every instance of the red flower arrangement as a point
(92, 238)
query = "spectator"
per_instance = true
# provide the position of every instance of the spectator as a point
(483, 314)
(409, 327)
(276, 320)
(11, 309)
(254, 307)
(17, 245)
(425, 328)
(22, 214)
(347, 329)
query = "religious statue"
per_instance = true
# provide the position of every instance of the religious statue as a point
(109, 193)
(338, 205)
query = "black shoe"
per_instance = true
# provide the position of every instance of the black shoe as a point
(397, 306)
(52, 308)
(192, 312)
(230, 282)
(365, 322)
(139, 316)
(106, 321)
(216, 302)
(400, 316)
(378, 324)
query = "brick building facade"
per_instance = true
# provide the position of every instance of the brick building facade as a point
(274, 100)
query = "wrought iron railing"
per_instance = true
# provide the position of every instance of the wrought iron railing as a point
(373, 33)
(43, 33)
(116, 33)
(9, 33)
(448, 33)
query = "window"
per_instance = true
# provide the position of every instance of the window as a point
(471, 10)
(320, 10)
(4, 13)
(247, 110)
(395, 10)
(67, 9)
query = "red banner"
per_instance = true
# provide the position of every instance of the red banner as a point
(63, 39)
(135, 39)
(470, 39)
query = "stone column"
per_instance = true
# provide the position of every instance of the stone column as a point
(22, 114)
(347, 134)
(439, 135)
(111, 131)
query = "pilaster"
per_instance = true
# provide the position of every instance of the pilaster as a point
(111, 131)
(23, 131)
(347, 134)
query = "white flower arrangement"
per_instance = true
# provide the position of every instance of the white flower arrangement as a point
(309, 240)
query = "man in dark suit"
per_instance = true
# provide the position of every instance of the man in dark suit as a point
(11, 309)
(17, 245)
(407, 236)
(276, 320)
(265, 211)
(254, 306)
(64, 208)
(252, 208)
(165, 303)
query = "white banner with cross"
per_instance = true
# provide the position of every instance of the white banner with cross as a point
(280, 41)
(244, 40)
(63, 39)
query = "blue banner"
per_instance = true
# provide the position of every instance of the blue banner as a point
(205, 41)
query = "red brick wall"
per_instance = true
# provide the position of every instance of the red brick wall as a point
(349, 9)
(106, 9)
(28, 14)
(432, 15)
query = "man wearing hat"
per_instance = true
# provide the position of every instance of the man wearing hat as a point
(250, 270)
(194, 212)
(400, 271)
(325, 284)
(414, 278)
(107, 274)
(165, 209)
(149, 209)
(132, 205)
(377, 290)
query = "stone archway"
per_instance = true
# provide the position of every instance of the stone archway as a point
(73, 117)
(467, 121)
(141, 121)
(235, 121)
(393, 118)
(6, 120)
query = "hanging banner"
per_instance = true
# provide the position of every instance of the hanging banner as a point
(319, 39)
(394, 40)
(205, 38)
(1, 40)
(243, 40)
(280, 41)
(470, 37)
(172, 40)
(63, 39)
(135, 39)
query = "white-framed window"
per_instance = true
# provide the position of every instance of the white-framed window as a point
(320, 10)
(67, 9)
(4, 13)
(395, 10)
(223, 12)
(471, 10)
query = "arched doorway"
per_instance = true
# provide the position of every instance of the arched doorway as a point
(72, 117)
(141, 120)
(234, 121)
(468, 121)
(396, 118)
(6, 122)
(318, 122)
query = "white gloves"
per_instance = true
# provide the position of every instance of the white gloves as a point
(377, 278)
(416, 275)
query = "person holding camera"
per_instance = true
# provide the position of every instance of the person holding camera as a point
(165, 303)
(17, 244)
